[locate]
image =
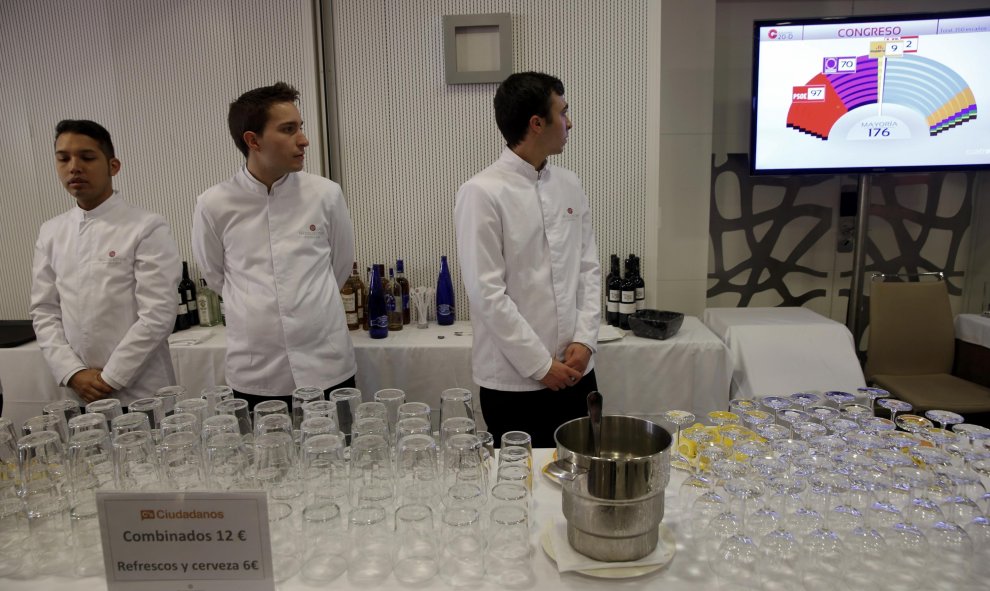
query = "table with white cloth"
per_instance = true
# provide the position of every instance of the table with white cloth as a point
(780, 351)
(972, 359)
(684, 571)
(638, 376)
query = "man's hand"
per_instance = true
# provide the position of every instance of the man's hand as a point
(577, 357)
(89, 385)
(560, 376)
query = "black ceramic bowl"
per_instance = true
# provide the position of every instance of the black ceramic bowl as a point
(655, 324)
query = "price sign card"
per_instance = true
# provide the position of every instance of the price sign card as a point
(193, 541)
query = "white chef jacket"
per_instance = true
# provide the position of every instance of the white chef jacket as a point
(528, 259)
(277, 259)
(105, 295)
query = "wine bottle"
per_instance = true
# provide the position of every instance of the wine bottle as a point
(400, 276)
(445, 295)
(365, 325)
(349, 299)
(188, 289)
(627, 302)
(223, 311)
(377, 313)
(181, 312)
(394, 302)
(638, 284)
(613, 291)
(360, 294)
(205, 305)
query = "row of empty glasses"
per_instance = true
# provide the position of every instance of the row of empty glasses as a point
(815, 490)
(370, 485)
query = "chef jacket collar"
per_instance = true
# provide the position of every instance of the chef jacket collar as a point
(514, 162)
(257, 186)
(102, 209)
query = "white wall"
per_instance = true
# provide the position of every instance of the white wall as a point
(159, 74)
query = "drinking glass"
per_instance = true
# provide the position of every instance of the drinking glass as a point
(194, 406)
(370, 557)
(973, 433)
(412, 426)
(274, 458)
(239, 409)
(215, 395)
(13, 532)
(44, 492)
(838, 398)
(216, 424)
(894, 406)
(301, 396)
(323, 469)
(47, 423)
(707, 505)
(517, 474)
(87, 544)
(182, 460)
(135, 462)
(284, 532)
(805, 399)
(153, 408)
(510, 493)
(737, 556)
(414, 409)
(392, 398)
(371, 478)
(456, 402)
(371, 410)
(487, 451)
(823, 559)
(455, 425)
(273, 423)
(9, 479)
(64, 409)
(780, 549)
(720, 418)
(90, 464)
(944, 417)
(346, 401)
(680, 418)
(369, 426)
(181, 422)
(507, 552)
(416, 556)
(320, 408)
(226, 459)
(737, 405)
(270, 407)
(316, 426)
(108, 407)
(132, 421)
(462, 558)
(463, 462)
(913, 423)
(169, 395)
(465, 494)
(908, 552)
(417, 469)
(873, 394)
(776, 404)
(325, 554)
(694, 485)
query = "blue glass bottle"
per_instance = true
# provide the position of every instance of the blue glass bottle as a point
(445, 295)
(377, 312)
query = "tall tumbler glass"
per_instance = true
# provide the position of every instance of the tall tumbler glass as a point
(195, 406)
(87, 544)
(90, 465)
(13, 533)
(284, 533)
(153, 408)
(214, 396)
(462, 561)
(108, 407)
(371, 478)
(88, 421)
(456, 402)
(507, 553)
(132, 421)
(135, 462)
(182, 460)
(66, 409)
(392, 398)
(44, 483)
(370, 557)
(415, 555)
(226, 460)
(300, 396)
(325, 552)
(169, 395)
(51, 423)
(239, 409)
(320, 408)
(417, 470)
(346, 401)
(324, 470)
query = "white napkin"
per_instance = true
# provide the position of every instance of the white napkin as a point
(607, 332)
(569, 559)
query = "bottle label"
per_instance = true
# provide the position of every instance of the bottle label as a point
(444, 309)
(351, 318)
(611, 306)
(614, 295)
(350, 303)
(405, 302)
(628, 297)
(180, 300)
(189, 296)
(640, 293)
(379, 321)
(205, 317)
(390, 303)
(627, 308)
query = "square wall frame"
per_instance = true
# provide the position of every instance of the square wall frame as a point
(468, 55)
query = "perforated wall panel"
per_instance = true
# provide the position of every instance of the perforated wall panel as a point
(408, 140)
(159, 74)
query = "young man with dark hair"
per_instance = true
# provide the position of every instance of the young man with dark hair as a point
(529, 262)
(103, 298)
(277, 243)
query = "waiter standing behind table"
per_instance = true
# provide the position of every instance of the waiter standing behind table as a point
(276, 242)
(530, 265)
(103, 298)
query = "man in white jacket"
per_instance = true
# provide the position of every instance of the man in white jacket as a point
(528, 258)
(276, 243)
(103, 298)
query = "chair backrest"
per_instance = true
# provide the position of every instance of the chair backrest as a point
(911, 329)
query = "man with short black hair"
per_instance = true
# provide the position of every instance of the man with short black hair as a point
(103, 298)
(276, 243)
(528, 258)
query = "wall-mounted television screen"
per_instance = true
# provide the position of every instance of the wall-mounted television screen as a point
(867, 94)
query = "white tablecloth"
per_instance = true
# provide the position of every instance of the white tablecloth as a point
(644, 377)
(780, 351)
(973, 328)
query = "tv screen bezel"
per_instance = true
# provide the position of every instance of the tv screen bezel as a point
(754, 97)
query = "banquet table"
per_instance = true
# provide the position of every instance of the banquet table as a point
(972, 361)
(638, 376)
(682, 573)
(780, 351)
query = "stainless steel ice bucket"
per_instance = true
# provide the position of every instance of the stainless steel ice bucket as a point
(613, 501)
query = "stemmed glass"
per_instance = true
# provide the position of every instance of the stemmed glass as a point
(873, 394)
(824, 567)
(679, 418)
(777, 404)
(727, 523)
(740, 405)
(694, 484)
(973, 433)
(709, 504)
(737, 555)
(944, 417)
(839, 398)
(720, 418)
(895, 406)
(780, 550)
(805, 399)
